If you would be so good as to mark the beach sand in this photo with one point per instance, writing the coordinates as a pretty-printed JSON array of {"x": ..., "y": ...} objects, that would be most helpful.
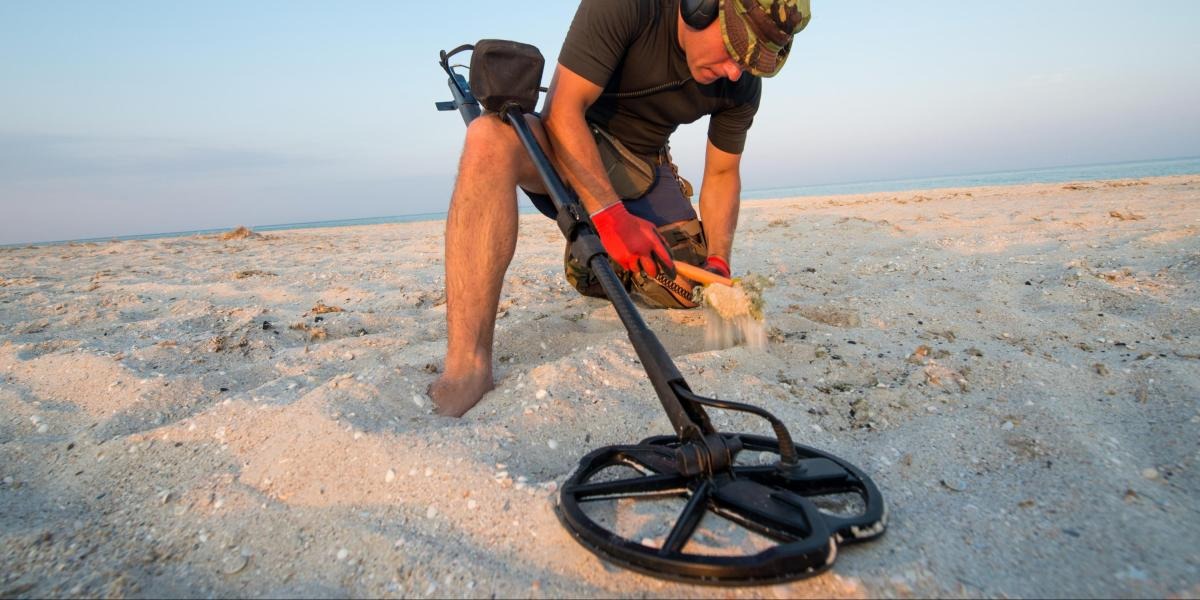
[{"x": 1018, "y": 368}]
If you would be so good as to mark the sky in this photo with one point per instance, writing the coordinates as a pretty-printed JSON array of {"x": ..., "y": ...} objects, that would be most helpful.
[{"x": 129, "y": 117}]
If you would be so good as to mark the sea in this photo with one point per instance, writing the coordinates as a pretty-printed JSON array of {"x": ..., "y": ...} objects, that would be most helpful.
[{"x": 1124, "y": 170}]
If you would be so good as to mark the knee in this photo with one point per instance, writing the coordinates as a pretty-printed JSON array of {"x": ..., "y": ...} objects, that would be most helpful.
[
  {"x": 491, "y": 140},
  {"x": 493, "y": 153}
]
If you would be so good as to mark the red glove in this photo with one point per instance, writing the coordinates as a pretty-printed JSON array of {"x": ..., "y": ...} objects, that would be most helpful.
[
  {"x": 718, "y": 265},
  {"x": 632, "y": 242}
]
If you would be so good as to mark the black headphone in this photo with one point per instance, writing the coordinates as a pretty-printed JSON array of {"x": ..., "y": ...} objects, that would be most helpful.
[{"x": 698, "y": 14}]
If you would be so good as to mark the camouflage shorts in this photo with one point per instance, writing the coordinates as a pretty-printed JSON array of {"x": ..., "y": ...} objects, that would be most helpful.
[{"x": 686, "y": 242}]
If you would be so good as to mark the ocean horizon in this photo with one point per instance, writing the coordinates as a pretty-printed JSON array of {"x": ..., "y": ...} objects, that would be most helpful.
[{"x": 1066, "y": 174}]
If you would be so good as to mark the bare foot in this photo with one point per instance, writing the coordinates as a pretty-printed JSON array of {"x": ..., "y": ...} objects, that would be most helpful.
[{"x": 454, "y": 395}]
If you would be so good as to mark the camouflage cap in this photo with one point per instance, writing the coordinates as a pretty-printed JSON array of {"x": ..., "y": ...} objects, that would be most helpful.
[{"x": 758, "y": 33}]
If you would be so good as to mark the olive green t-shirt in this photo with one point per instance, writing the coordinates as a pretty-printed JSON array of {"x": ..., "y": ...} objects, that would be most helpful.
[{"x": 631, "y": 45}]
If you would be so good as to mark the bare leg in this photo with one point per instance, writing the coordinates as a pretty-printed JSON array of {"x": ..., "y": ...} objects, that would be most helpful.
[{"x": 481, "y": 236}]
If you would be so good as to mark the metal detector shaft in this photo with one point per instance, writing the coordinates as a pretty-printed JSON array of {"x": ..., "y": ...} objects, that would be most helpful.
[{"x": 686, "y": 417}]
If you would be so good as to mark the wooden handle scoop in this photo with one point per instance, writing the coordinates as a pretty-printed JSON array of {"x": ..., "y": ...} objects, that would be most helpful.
[{"x": 700, "y": 275}]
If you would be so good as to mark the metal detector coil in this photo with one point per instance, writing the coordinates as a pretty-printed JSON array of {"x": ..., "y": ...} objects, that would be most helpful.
[{"x": 788, "y": 506}]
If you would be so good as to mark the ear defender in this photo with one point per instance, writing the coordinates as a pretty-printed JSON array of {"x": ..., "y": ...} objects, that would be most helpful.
[{"x": 699, "y": 14}]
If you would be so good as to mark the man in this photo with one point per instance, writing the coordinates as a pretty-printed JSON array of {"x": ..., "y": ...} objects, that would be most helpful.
[{"x": 630, "y": 72}]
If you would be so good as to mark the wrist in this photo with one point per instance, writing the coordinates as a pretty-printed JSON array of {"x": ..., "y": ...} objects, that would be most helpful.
[{"x": 611, "y": 210}]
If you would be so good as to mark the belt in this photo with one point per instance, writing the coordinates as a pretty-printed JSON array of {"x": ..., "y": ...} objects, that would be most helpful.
[{"x": 663, "y": 157}]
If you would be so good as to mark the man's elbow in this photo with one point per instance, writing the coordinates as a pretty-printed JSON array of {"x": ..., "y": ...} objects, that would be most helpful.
[{"x": 724, "y": 176}]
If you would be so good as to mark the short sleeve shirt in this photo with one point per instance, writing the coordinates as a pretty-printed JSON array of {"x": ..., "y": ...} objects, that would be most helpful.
[{"x": 632, "y": 45}]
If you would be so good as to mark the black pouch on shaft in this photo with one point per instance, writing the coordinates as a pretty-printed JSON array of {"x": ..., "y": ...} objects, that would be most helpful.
[{"x": 504, "y": 72}]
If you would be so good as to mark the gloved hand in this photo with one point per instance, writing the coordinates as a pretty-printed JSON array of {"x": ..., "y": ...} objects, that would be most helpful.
[
  {"x": 718, "y": 265},
  {"x": 632, "y": 242}
]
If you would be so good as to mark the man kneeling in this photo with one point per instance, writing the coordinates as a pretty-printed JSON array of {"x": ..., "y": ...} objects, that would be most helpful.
[{"x": 630, "y": 72}]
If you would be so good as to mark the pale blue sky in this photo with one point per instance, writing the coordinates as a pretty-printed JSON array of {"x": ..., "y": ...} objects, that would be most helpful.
[{"x": 127, "y": 117}]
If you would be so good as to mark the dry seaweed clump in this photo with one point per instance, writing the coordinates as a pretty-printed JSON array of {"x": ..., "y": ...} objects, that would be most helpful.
[
  {"x": 253, "y": 273},
  {"x": 312, "y": 333},
  {"x": 242, "y": 232},
  {"x": 1128, "y": 215},
  {"x": 18, "y": 281},
  {"x": 321, "y": 308}
]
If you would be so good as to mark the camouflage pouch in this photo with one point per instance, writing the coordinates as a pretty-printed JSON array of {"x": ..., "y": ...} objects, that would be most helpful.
[{"x": 686, "y": 243}]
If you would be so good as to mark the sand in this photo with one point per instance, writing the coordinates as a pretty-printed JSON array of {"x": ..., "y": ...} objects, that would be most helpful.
[
  {"x": 734, "y": 314},
  {"x": 1017, "y": 367}
]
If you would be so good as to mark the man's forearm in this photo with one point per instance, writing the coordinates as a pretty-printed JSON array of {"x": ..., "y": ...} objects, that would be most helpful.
[
  {"x": 578, "y": 159},
  {"x": 720, "y": 200}
]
